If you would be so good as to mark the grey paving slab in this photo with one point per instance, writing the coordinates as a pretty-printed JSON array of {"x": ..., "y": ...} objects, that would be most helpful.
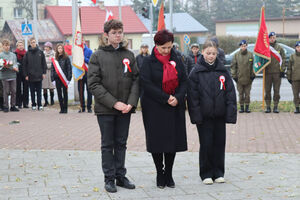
[{"x": 73, "y": 175}]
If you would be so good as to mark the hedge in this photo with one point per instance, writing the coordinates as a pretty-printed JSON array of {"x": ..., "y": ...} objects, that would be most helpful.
[{"x": 230, "y": 43}]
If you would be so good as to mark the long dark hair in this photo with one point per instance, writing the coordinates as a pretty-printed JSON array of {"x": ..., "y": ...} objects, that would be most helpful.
[{"x": 63, "y": 53}]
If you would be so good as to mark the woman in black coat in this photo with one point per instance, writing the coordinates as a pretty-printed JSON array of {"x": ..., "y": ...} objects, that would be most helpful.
[
  {"x": 63, "y": 77},
  {"x": 163, "y": 84}
]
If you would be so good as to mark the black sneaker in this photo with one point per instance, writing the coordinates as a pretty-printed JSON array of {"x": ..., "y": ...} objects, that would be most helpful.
[
  {"x": 14, "y": 109},
  {"x": 90, "y": 111},
  {"x": 275, "y": 110},
  {"x": 125, "y": 183},
  {"x": 5, "y": 110},
  {"x": 25, "y": 106},
  {"x": 110, "y": 186},
  {"x": 81, "y": 110}
]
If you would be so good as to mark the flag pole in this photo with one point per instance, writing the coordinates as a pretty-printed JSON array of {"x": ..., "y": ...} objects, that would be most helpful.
[{"x": 263, "y": 92}]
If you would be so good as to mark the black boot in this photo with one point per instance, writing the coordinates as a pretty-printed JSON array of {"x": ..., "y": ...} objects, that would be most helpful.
[
  {"x": 247, "y": 109},
  {"x": 52, "y": 97},
  {"x": 46, "y": 98},
  {"x": 1, "y": 103},
  {"x": 268, "y": 109},
  {"x": 241, "y": 109},
  {"x": 297, "y": 111},
  {"x": 160, "y": 177},
  {"x": 275, "y": 110},
  {"x": 169, "y": 161}
]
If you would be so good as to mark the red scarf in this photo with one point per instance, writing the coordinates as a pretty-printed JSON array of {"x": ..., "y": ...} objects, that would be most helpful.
[
  {"x": 20, "y": 54},
  {"x": 170, "y": 78}
]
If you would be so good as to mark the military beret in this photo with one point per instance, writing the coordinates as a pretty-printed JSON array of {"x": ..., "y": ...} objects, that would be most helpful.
[
  {"x": 243, "y": 42},
  {"x": 272, "y": 34}
]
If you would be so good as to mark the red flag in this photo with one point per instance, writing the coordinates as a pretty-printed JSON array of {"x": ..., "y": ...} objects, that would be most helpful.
[
  {"x": 262, "y": 54},
  {"x": 161, "y": 18},
  {"x": 94, "y": 1},
  {"x": 109, "y": 15}
]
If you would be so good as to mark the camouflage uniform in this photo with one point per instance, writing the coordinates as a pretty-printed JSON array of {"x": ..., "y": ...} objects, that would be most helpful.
[
  {"x": 293, "y": 76},
  {"x": 242, "y": 73},
  {"x": 273, "y": 76}
]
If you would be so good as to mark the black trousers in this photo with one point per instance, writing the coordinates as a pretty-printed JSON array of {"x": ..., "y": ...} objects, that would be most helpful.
[
  {"x": 82, "y": 85},
  {"x": 22, "y": 91},
  {"x": 114, "y": 133},
  {"x": 212, "y": 135},
  {"x": 62, "y": 93},
  {"x": 36, "y": 87}
]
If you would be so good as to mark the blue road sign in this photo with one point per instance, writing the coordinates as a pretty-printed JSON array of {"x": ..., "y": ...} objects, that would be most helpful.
[
  {"x": 186, "y": 39},
  {"x": 26, "y": 29}
]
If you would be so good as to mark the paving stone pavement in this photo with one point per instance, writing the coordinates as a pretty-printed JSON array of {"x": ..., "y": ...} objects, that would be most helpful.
[
  {"x": 72, "y": 175},
  {"x": 53, "y": 157}
]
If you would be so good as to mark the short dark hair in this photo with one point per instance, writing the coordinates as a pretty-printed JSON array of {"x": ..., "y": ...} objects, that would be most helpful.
[
  {"x": 5, "y": 42},
  {"x": 31, "y": 39},
  {"x": 112, "y": 24},
  {"x": 163, "y": 36}
]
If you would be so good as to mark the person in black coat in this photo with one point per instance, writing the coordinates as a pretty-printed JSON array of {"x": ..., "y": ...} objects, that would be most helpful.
[
  {"x": 221, "y": 53},
  {"x": 211, "y": 104},
  {"x": 34, "y": 66},
  {"x": 22, "y": 84},
  {"x": 163, "y": 83},
  {"x": 144, "y": 52},
  {"x": 61, "y": 77}
]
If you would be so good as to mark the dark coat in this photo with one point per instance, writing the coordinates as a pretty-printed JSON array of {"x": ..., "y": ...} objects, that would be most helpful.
[
  {"x": 34, "y": 64},
  {"x": 108, "y": 81},
  {"x": 66, "y": 67},
  {"x": 139, "y": 60},
  {"x": 191, "y": 55},
  {"x": 206, "y": 99},
  {"x": 164, "y": 125}
]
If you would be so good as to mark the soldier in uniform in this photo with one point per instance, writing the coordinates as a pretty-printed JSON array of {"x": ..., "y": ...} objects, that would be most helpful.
[
  {"x": 274, "y": 73},
  {"x": 242, "y": 73},
  {"x": 293, "y": 75}
]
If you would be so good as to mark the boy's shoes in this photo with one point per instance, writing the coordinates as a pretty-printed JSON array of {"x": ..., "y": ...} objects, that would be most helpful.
[
  {"x": 110, "y": 186},
  {"x": 25, "y": 106},
  {"x": 90, "y": 111},
  {"x": 242, "y": 109},
  {"x": 40, "y": 108},
  {"x": 14, "y": 109},
  {"x": 208, "y": 181},
  {"x": 297, "y": 111},
  {"x": 220, "y": 180},
  {"x": 33, "y": 107},
  {"x": 5, "y": 110},
  {"x": 125, "y": 183}
]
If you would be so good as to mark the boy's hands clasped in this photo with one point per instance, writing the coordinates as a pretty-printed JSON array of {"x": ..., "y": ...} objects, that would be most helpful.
[{"x": 124, "y": 108}]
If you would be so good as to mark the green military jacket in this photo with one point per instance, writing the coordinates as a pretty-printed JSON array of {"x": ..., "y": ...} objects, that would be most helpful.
[
  {"x": 274, "y": 66},
  {"x": 293, "y": 69},
  {"x": 242, "y": 67},
  {"x": 110, "y": 80}
]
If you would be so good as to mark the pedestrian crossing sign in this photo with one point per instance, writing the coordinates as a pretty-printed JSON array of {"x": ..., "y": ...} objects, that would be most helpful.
[{"x": 26, "y": 29}]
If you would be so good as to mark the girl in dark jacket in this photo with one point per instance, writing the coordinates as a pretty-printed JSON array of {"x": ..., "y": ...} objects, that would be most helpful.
[
  {"x": 163, "y": 84},
  {"x": 61, "y": 73},
  {"x": 211, "y": 104}
]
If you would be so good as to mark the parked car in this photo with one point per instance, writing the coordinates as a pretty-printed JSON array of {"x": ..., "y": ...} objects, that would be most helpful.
[{"x": 287, "y": 50}]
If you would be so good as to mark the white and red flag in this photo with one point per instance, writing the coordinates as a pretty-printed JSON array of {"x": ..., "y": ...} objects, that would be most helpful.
[
  {"x": 109, "y": 15},
  {"x": 276, "y": 55},
  {"x": 78, "y": 53}
]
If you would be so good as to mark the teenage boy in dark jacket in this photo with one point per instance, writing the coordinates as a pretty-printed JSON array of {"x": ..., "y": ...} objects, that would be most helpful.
[
  {"x": 113, "y": 80},
  {"x": 35, "y": 66}
]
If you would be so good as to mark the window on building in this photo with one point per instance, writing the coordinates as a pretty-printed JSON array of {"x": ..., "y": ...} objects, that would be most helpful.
[
  {"x": 1, "y": 12},
  {"x": 18, "y": 12},
  {"x": 129, "y": 43}
]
